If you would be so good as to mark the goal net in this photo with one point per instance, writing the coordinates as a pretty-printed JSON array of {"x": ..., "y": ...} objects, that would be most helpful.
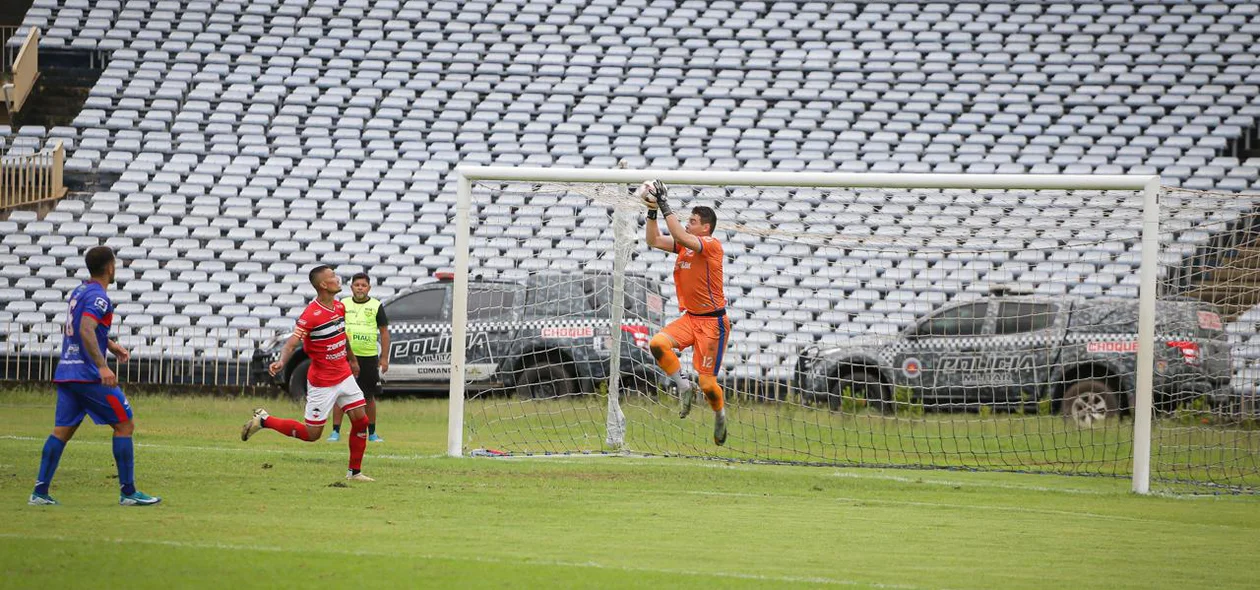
[{"x": 973, "y": 322}]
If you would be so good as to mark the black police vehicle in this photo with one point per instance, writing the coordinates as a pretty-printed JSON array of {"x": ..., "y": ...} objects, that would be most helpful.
[{"x": 1008, "y": 351}]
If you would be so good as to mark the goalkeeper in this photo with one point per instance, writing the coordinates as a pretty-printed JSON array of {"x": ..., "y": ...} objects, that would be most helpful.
[{"x": 701, "y": 298}]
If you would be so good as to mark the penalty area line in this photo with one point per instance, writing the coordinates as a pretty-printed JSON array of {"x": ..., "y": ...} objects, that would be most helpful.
[
  {"x": 166, "y": 447},
  {"x": 816, "y": 580}
]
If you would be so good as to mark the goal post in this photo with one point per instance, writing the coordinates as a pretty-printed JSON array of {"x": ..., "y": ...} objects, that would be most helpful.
[
  {"x": 1143, "y": 407},
  {"x": 616, "y": 206}
]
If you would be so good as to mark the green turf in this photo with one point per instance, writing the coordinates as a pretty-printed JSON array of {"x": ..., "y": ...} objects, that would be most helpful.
[{"x": 271, "y": 513}]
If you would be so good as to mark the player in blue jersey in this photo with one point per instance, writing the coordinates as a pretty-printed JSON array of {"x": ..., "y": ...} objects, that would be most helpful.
[{"x": 87, "y": 387}]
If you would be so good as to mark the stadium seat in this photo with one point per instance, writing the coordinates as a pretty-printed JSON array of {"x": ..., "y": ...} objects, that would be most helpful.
[{"x": 248, "y": 150}]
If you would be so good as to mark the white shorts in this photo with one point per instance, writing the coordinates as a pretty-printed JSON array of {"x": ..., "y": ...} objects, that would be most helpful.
[{"x": 320, "y": 400}]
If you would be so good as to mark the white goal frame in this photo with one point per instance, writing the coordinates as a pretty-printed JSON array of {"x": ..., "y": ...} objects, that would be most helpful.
[{"x": 1148, "y": 184}]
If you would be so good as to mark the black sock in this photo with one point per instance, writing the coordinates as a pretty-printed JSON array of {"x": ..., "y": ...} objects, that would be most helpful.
[
  {"x": 337, "y": 428},
  {"x": 355, "y": 471},
  {"x": 371, "y": 428},
  {"x": 263, "y": 422}
]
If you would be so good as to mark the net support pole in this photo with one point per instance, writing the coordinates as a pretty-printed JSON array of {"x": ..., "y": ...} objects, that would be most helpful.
[
  {"x": 459, "y": 318},
  {"x": 623, "y": 233},
  {"x": 1143, "y": 404}
]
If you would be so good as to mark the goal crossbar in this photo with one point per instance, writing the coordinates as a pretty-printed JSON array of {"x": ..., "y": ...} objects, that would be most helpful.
[{"x": 815, "y": 179}]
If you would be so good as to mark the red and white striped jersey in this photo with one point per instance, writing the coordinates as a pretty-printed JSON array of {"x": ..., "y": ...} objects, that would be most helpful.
[{"x": 323, "y": 333}]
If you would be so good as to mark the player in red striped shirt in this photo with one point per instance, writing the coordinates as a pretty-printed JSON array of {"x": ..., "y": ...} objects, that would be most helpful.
[{"x": 330, "y": 382}]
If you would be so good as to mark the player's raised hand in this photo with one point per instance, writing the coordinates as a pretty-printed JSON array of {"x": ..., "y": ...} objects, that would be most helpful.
[{"x": 655, "y": 196}]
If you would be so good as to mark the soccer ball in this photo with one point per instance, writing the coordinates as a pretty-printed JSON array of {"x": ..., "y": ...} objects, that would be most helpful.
[{"x": 647, "y": 193}]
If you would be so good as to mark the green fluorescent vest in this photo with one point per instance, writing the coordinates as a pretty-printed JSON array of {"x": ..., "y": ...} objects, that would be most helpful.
[{"x": 361, "y": 326}]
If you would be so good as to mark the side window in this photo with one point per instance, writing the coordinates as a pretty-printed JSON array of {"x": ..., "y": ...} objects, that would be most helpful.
[
  {"x": 1015, "y": 317},
  {"x": 490, "y": 302},
  {"x": 967, "y": 320},
  {"x": 428, "y": 305}
]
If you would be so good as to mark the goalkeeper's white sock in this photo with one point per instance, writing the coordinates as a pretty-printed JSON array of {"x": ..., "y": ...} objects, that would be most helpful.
[{"x": 679, "y": 382}]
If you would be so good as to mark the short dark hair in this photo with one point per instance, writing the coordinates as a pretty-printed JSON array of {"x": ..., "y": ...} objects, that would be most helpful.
[
  {"x": 707, "y": 215},
  {"x": 361, "y": 275},
  {"x": 98, "y": 260},
  {"x": 316, "y": 271}
]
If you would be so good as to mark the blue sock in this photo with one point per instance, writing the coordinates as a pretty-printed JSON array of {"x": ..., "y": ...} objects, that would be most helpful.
[
  {"x": 125, "y": 458},
  {"x": 48, "y": 463}
]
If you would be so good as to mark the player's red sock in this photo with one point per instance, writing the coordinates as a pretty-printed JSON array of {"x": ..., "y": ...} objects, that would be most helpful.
[
  {"x": 358, "y": 442},
  {"x": 291, "y": 428}
]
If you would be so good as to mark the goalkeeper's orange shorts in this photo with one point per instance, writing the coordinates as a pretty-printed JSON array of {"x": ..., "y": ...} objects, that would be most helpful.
[{"x": 708, "y": 337}]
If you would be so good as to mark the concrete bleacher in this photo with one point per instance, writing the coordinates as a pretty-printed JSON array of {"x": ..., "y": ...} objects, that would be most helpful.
[{"x": 254, "y": 137}]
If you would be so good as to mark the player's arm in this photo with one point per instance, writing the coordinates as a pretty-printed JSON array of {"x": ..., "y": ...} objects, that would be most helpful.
[
  {"x": 286, "y": 352},
  {"x": 87, "y": 332},
  {"x": 353, "y": 360},
  {"x": 382, "y": 324},
  {"x": 678, "y": 233},
  {"x": 119, "y": 351},
  {"x": 654, "y": 237},
  {"x": 683, "y": 238}
]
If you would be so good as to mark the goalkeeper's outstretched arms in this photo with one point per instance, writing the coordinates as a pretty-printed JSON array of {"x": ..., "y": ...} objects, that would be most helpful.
[{"x": 656, "y": 198}]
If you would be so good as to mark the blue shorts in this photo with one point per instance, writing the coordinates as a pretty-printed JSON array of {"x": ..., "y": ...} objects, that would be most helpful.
[{"x": 106, "y": 405}]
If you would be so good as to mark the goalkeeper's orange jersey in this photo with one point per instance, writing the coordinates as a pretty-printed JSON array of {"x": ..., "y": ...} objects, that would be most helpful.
[{"x": 698, "y": 277}]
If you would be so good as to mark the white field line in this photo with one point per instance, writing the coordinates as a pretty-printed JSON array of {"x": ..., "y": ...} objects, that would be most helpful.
[
  {"x": 340, "y": 452},
  {"x": 926, "y": 477}
]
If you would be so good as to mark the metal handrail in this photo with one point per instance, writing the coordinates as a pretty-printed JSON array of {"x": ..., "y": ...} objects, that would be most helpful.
[{"x": 33, "y": 178}]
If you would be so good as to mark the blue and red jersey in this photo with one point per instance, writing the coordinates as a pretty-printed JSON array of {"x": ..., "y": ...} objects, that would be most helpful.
[{"x": 76, "y": 366}]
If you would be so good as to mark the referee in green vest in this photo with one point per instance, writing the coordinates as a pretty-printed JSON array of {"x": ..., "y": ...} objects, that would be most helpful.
[{"x": 366, "y": 327}]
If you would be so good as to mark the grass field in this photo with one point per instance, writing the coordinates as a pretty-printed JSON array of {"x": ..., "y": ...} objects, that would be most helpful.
[{"x": 275, "y": 512}]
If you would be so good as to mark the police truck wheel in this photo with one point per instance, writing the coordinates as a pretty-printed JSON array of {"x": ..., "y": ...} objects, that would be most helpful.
[
  {"x": 297, "y": 381},
  {"x": 1089, "y": 403},
  {"x": 544, "y": 381}
]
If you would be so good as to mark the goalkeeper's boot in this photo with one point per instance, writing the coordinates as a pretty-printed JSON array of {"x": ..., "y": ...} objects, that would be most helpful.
[
  {"x": 334, "y": 437},
  {"x": 375, "y": 438},
  {"x": 139, "y": 498},
  {"x": 360, "y": 476},
  {"x": 687, "y": 395},
  {"x": 42, "y": 500},
  {"x": 719, "y": 427},
  {"x": 255, "y": 424}
]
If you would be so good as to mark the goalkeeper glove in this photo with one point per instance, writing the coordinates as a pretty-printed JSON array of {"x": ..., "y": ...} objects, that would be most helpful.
[{"x": 656, "y": 197}]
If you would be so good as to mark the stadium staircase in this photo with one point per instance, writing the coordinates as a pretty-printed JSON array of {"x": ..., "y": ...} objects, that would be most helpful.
[{"x": 65, "y": 82}]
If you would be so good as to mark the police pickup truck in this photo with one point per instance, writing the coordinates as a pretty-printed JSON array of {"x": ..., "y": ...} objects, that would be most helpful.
[
  {"x": 1011, "y": 351},
  {"x": 546, "y": 336}
]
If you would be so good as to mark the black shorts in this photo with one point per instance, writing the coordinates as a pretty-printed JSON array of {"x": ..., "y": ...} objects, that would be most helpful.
[{"x": 369, "y": 378}]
